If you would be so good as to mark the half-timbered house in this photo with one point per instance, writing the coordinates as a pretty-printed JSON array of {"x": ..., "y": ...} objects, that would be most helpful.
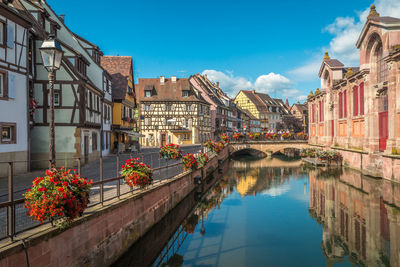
[
  {"x": 172, "y": 111},
  {"x": 125, "y": 114},
  {"x": 217, "y": 108},
  {"x": 78, "y": 89},
  {"x": 14, "y": 97}
]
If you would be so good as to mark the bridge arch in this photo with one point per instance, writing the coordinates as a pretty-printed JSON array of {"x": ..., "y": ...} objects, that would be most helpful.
[{"x": 266, "y": 147}]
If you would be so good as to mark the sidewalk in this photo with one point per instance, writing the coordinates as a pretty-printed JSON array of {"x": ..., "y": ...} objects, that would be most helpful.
[{"x": 149, "y": 155}]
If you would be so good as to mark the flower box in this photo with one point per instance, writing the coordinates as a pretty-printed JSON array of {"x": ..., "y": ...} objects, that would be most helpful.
[{"x": 136, "y": 173}]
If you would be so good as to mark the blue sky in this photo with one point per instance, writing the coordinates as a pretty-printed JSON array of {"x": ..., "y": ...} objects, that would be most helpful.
[{"x": 271, "y": 46}]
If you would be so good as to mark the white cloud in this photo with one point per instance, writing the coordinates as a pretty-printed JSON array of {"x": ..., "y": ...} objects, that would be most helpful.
[
  {"x": 308, "y": 71},
  {"x": 345, "y": 32},
  {"x": 266, "y": 83},
  {"x": 270, "y": 82}
]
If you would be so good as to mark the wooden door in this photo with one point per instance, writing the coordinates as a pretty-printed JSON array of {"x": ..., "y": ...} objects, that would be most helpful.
[
  {"x": 86, "y": 149},
  {"x": 383, "y": 130},
  {"x": 163, "y": 140}
]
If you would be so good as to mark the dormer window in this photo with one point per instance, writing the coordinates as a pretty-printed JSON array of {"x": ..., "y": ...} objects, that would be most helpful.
[
  {"x": 147, "y": 93},
  {"x": 185, "y": 93},
  {"x": 81, "y": 66}
]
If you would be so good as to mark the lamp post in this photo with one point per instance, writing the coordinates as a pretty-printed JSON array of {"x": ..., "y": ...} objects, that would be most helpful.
[{"x": 51, "y": 53}]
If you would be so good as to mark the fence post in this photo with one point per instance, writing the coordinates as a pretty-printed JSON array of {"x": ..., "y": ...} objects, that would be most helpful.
[
  {"x": 11, "y": 208},
  {"x": 101, "y": 182},
  {"x": 119, "y": 180},
  {"x": 79, "y": 165}
]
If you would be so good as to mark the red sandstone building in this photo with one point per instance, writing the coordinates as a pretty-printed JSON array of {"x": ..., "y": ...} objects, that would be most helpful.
[{"x": 357, "y": 110}]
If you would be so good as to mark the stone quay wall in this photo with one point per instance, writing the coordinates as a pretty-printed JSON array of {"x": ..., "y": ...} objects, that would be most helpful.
[{"x": 103, "y": 234}]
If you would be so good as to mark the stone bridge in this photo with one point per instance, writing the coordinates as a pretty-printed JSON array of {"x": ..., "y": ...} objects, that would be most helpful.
[{"x": 266, "y": 148}]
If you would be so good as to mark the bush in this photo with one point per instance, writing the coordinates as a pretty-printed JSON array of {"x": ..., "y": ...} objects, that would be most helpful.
[
  {"x": 136, "y": 173},
  {"x": 59, "y": 194}
]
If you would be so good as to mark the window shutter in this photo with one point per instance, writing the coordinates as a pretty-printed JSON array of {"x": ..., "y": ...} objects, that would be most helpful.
[
  {"x": 11, "y": 86},
  {"x": 345, "y": 103},
  {"x": 10, "y": 35},
  {"x": 340, "y": 105},
  {"x": 362, "y": 99},
  {"x": 355, "y": 101}
]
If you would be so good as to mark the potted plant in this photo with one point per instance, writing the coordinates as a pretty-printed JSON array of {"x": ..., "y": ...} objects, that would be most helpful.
[
  {"x": 189, "y": 162},
  {"x": 254, "y": 136},
  {"x": 209, "y": 144},
  {"x": 61, "y": 193},
  {"x": 302, "y": 136},
  {"x": 286, "y": 136},
  {"x": 171, "y": 151},
  {"x": 136, "y": 173}
]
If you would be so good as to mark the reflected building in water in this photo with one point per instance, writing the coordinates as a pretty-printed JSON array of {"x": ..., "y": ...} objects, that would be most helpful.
[{"x": 360, "y": 217}]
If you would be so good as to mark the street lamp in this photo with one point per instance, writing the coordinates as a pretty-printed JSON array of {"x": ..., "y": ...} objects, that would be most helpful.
[{"x": 51, "y": 53}]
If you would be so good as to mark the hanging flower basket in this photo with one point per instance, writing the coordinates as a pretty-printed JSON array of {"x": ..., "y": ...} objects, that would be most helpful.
[
  {"x": 60, "y": 193},
  {"x": 225, "y": 138},
  {"x": 137, "y": 173},
  {"x": 190, "y": 223},
  {"x": 254, "y": 136},
  {"x": 171, "y": 151},
  {"x": 209, "y": 144},
  {"x": 237, "y": 135},
  {"x": 286, "y": 136},
  {"x": 189, "y": 162},
  {"x": 302, "y": 136},
  {"x": 202, "y": 159}
]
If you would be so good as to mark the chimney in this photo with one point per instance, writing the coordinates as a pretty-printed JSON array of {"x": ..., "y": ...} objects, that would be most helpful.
[
  {"x": 62, "y": 17},
  {"x": 173, "y": 79},
  {"x": 162, "y": 79}
]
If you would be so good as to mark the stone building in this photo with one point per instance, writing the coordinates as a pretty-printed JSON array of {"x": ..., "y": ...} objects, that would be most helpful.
[
  {"x": 357, "y": 110},
  {"x": 172, "y": 111}
]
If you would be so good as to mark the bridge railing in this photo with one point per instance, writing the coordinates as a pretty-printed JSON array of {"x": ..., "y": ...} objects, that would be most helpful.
[{"x": 276, "y": 139}]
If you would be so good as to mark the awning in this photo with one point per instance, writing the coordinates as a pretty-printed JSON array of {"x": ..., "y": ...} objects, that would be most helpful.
[{"x": 131, "y": 133}]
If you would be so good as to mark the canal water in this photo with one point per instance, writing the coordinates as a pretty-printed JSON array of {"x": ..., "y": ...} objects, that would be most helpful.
[{"x": 278, "y": 212}]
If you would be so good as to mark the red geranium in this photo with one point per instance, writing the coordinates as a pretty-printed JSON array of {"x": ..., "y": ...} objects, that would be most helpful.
[
  {"x": 189, "y": 162},
  {"x": 171, "y": 151},
  {"x": 59, "y": 193},
  {"x": 137, "y": 173}
]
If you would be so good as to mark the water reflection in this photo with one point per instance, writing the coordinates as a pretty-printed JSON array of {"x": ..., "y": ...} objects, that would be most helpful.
[
  {"x": 360, "y": 218},
  {"x": 281, "y": 213}
]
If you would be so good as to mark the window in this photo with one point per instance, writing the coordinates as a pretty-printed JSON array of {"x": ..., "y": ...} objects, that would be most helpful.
[
  {"x": 57, "y": 99},
  {"x": 2, "y": 33},
  {"x": 124, "y": 112},
  {"x": 188, "y": 107},
  {"x": 8, "y": 133},
  {"x": 167, "y": 107},
  {"x": 362, "y": 99},
  {"x": 3, "y": 85},
  {"x": 147, "y": 107},
  {"x": 345, "y": 103},
  {"x": 340, "y": 105},
  {"x": 10, "y": 36},
  {"x": 185, "y": 93},
  {"x": 355, "y": 101},
  {"x": 381, "y": 65},
  {"x": 81, "y": 66},
  {"x": 321, "y": 111},
  {"x": 130, "y": 113},
  {"x": 147, "y": 93}
]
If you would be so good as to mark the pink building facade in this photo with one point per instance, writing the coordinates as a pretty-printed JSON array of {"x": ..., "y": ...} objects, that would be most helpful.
[{"x": 357, "y": 110}]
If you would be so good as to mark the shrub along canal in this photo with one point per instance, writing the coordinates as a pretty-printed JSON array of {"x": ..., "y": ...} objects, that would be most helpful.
[{"x": 275, "y": 212}]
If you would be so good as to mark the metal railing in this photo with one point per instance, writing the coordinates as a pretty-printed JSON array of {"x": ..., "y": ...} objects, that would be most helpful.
[
  {"x": 107, "y": 185},
  {"x": 262, "y": 138}
]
